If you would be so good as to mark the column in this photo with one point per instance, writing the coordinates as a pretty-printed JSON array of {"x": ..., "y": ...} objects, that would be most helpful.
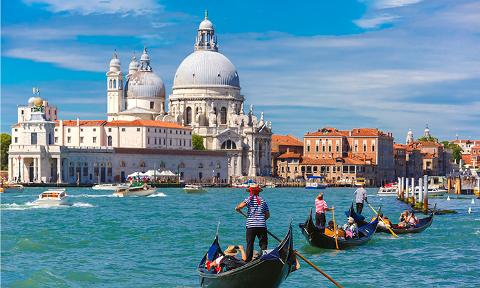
[
  {"x": 39, "y": 167},
  {"x": 59, "y": 169},
  {"x": 407, "y": 192},
  {"x": 10, "y": 169},
  {"x": 21, "y": 170},
  {"x": 425, "y": 192},
  {"x": 420, "y": 189},
  {"x": 35, "y": 170}
]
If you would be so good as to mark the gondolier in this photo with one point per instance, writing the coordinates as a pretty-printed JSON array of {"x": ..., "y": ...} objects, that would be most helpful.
[
  {"x": 257, "y": 216},
  {"x": 360, "y": 196}
]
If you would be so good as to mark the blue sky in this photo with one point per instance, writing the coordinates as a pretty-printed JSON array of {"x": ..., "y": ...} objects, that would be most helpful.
[{"x": 391, "y": 64}]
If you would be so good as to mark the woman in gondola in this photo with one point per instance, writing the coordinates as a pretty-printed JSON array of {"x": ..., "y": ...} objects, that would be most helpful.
[
  {"x": 351, "y": 229},
  {"x": 228, "y": 261}
]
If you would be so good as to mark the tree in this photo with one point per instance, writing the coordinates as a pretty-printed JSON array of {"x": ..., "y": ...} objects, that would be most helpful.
[
  {"x": 456, "y": 150},
  {"x": 429, "y": 138},
  {"x": 6, "y": 139},
  {"x": 197, "y": 142}
]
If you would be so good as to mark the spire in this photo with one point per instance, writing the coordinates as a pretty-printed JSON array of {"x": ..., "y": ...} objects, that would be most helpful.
[
  {"x": 206, "y": 39},
  {"x": 409, "y": 137}
]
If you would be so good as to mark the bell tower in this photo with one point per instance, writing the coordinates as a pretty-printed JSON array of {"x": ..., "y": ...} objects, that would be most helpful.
[{"x": 114, "y": 88}]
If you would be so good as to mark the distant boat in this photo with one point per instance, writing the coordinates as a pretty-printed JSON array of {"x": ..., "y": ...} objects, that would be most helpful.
[
  {"x": 135, "y": 190},
  {"x": 315, "y": 182},
  {"x": 52, "y": 197},
  {"x": 432, "y": 191},
  {"x": 110, "y": 187},
  {"x": 190, "y": 188},
  {"x": 245, "y": 184}
]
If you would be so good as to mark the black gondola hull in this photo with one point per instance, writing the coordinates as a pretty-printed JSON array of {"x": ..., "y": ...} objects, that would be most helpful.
[
  {"x": 317, "y": 238},
  {"x": 422, "y": 225}
]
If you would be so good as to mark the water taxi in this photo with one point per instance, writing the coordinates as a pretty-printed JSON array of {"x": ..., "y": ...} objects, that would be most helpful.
[
  {"x": 110, "y": 187},
  {"x": 315, "y": 182},
  {"x": 190, "y": 188},
  {"x": 432, "y": 191},
  {"x": 52, "y": 197},
  {"x": 136, "y": 189}
]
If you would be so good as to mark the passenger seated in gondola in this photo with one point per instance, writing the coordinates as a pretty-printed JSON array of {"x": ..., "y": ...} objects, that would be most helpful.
[
  {"x": 351, "y": 229},
  {"x": 228, "y": 261},
  {"x": 330, "y": 230},
  {"x": 386, "y": 222},
  {"x": 403, "y": 222},
  {"x": 412, "y": 220}
]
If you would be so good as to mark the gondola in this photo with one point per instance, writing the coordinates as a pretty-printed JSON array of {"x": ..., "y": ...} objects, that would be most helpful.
[
  {"x": 358, "y": 218},
  {"x": 422, "y": 225},
  {"x": 268, "y": 270},
  {"x": 317, "y": 238}
]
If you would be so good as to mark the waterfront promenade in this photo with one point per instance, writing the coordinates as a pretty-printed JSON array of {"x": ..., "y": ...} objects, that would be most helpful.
[{"x": 157, "y": 241}]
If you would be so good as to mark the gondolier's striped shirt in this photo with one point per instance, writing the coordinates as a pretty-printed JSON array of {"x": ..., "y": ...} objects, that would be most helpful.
[{"x": 257, "y": 207}]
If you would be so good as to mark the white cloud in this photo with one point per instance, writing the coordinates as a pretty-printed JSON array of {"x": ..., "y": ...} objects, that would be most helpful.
[
  {"x": 375, "y": 22},
  {"x": 383, "y": 4},
  {"x": 86, "y": 7}
]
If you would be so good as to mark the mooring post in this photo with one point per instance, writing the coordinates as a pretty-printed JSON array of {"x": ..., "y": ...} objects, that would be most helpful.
[
  {"x": 420, "y": 190},
  {"x": 449, "y": 185},
  {"x": 406, "y": 189},
  {"x": 425, "y": 195}
]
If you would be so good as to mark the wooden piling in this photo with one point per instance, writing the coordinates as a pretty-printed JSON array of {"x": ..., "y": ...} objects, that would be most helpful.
[
  {"x": 425, "y": 195},
  {"x": 449, "y": 185},
  {"x": 458, "y": 185}
]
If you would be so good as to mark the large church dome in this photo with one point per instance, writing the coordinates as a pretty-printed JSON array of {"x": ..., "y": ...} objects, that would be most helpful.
[{"x": 204, "y": 68}]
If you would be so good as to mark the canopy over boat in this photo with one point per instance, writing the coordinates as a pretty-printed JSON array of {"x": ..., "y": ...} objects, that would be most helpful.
[
  {"x": 268, "y": 270},
  {"x": 317, "y": 237}
]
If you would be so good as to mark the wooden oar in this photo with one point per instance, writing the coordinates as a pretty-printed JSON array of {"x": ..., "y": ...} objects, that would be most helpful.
[
  {"x": 335, "y": 228},
  {"x": 301, "y": 256},
  {"x": 381, "y": 219}
]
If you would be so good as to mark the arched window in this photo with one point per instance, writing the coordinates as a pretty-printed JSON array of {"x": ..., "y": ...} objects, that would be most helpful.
[
  {"x": 229, "y": 144},
  {"x": 110, "y": 84},
  {"x": 114, "y": 83},
  {"x": 109, "y": 141},
  {"x": 188, "y": 116},
  {"x": 223, "y": 115}
]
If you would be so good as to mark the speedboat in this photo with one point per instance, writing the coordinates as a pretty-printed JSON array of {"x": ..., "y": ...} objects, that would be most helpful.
[
  {"x": 190, "y": 188},
  {"x": 388, "y": 190},
  {"x": 111, "y": 187},
  {"x": 245, "y": 184},
  {"x": 52, "y": 197},
  {"x": 136, "y": 189}
]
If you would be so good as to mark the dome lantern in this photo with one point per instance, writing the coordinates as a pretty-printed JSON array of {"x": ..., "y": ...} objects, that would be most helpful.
[
  {"x": 115, "y": 63},
  {"x": 206, "y": 39},
  {"x": 133, "y": 66},
  {"x": 145, "y": 61}
]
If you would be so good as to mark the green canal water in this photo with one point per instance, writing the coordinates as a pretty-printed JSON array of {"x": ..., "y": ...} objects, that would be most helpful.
[{"x": 102, "y": 241}]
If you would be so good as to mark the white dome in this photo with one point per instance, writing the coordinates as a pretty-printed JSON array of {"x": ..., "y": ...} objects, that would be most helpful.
[
  {"x": 206, "y": 69},
  {"x": 133, "y": 64},
  {"x": 205, "y": 25},
  {"x": 145, "y": 84}
]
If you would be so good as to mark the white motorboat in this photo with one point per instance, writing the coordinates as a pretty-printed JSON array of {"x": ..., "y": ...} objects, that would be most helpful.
[
  {"x": 135, "y": 190},
  {"x": 190, "y": 188},
  {"x": 315, "y": 182},
  {"x": 432, "y": 191},
  {"x": 109, "y": 186},
  {"x": 388, "y": 190},
  {"x": 52, "y": 197}
]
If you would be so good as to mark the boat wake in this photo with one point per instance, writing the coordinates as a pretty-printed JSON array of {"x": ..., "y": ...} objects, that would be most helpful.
[
  {"x": 33, "y": 205},
  {"x": 91, "y": 195},
  {"x": 159, "y": 194}
]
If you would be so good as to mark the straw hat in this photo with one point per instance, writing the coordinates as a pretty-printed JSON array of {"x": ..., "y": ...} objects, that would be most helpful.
[
  {"x": 351, "y": 220},
  {"x": 231, "y": 251}
]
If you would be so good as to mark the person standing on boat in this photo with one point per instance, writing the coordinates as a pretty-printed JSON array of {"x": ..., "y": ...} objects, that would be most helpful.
[
  {"x": 320, "y": 209},
  {"x": 360, "y": 196},
  {"x": 257, "y": 216}
]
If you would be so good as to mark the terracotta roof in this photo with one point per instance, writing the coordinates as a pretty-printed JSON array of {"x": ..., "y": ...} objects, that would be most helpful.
[
  {"x": 145, "y": 123},
  {"x": 400, "y": 146},
  {"x": 367, "y": 132},
  {"x": 288, "y": 155},
  {"x": 467, "y": 158},
  {"x": 428, "y": 156},
  {"x": 287, "y": 140},
  {"x": 315, "y": 161},
  {"x": 328, "y": 131},
  {"x": 428, "y": 144},
  {"x": 93, "y": 123}
]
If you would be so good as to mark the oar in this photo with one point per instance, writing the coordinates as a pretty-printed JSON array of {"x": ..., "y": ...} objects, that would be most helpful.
[
  {"x": 335, "y": 228},
  {"x": 301, "y": 256},
  {"x": 381, "y": 219}
]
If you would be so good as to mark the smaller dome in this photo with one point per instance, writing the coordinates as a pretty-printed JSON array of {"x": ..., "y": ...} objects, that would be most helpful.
[
  {"x": 205, "y": 25},
  {"x": 115, "y": 63},
  {"x": 145, "y": 56},
  {"x": 133, "y": 66},
  {"x": 145, "y": 84},
  {"x": 37, "y": 102}
]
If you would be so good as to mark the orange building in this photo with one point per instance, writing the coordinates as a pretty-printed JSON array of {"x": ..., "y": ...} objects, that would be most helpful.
[{"x": 286, "y": 148}]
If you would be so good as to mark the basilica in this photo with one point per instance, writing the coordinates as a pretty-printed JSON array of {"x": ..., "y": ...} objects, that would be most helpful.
[{"x": 140, "y": 132}]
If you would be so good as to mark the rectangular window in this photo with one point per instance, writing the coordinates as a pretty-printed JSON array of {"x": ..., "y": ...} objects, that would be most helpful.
[
  {"x": 123, "y": 129},
  {"x": 170, "y": 131},
  {"x": 152, "y": 105},
  {"x": 81, "y": 139},
  {"x": 94, "y": 129},
  {"x": 364, "y": 147},
  {"x": 69, "y": 139},
  {"x": 85, "y": 171},
  {"x": 323, "y": 148},
  {"x": 373, "y": 148},
  {"x": 329, "y": 148},
  {"x": 109, "y": 171},
  {"x": 94, "y": 140},
  {"x": 170, "y": 142},
  {"x": 109, "y": 129},
  {"x": 16, "y": 140},
  {"x": 338, "y": 148},
  {"x": 68, "y": 130},
  {"x": 148, "y": 129},
  {"x": 56, "y": 139},
  {"x": 308, "y": 148},
  {"x": 138, "y": 129},
  {"x": 316, "y": 148},
  {"x": 148, "y": 140}
]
